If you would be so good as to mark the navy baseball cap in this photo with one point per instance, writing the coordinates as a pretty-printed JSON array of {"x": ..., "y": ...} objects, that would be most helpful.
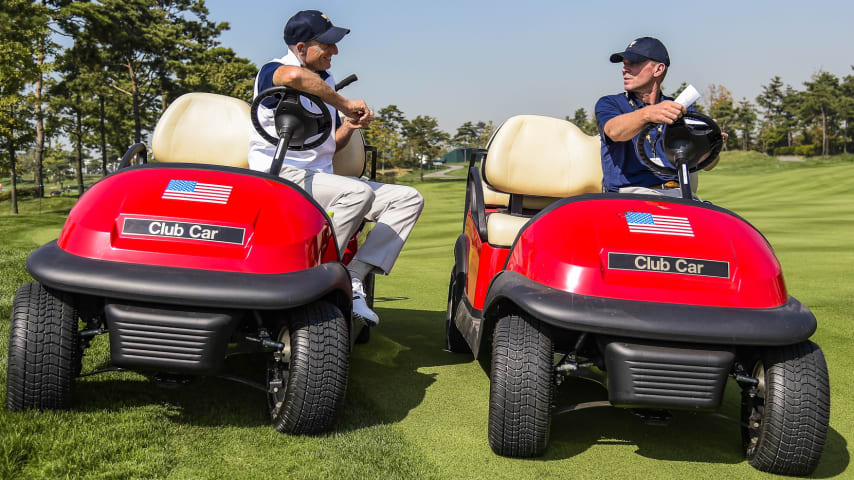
[
  {"x": 642, "y": 49},
  {"x": 309, "y": 25}
]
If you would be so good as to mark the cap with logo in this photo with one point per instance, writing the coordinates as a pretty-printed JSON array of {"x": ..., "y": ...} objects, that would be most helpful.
[
  {"x": 642, "y": 49},
  {"x": 309, "y": 25}
]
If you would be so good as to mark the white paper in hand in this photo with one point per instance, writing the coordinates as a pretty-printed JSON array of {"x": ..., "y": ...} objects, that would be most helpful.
[{"x": 688, "y": 96}]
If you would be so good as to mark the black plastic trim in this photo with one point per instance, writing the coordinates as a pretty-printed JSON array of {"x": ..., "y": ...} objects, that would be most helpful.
[
  {"x": 784, "y": 325},
  {"x": 132, "y": 152},
  {"x": 461, "y": 257},
  {"x": 662, "y": 375},
  {"x": 475, "y": 203},
  {"x": 469, "y": 321},
  {"x": 373, "y": 152},
  {"x": 475, "y": 154},
  {"x": 56, "y": 268},
  {"x": 175, "y": 339}
]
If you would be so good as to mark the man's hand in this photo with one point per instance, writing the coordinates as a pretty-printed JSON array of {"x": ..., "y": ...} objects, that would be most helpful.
[
  {"x": 361, "y": 122},
  {"x": 358, "y": 111},
  {"x": 667, "y": 112},
  {"x": 350, "y": 125}
]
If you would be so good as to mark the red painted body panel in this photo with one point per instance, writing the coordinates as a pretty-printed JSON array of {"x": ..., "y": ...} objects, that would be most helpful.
[
  {"x": 284, "y": 231},
  {"x": 484, "y": 262},
  {"x": 568, "y": 248}
]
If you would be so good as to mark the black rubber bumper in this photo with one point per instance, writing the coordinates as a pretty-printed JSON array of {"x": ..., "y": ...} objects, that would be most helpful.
[
  {"x": 61, "y": 270},
  {"x": 784, "y": 325}
]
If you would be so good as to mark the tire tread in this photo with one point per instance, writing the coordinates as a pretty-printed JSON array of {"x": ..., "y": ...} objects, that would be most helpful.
[
  {"x": 521, "y": 387},
  {"x": 797, "y": 410},
  {"x": 44, "y": 349},
  {"x": 317, "y": 381}
]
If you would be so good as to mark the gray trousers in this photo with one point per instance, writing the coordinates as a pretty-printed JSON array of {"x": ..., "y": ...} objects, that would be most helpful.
[
  {"x": 669, "y": 192},
  {"x": 394, "y": 208}
]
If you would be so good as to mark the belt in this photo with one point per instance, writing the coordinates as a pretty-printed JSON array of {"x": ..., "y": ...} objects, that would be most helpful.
[{"x": 669, "y": 184}]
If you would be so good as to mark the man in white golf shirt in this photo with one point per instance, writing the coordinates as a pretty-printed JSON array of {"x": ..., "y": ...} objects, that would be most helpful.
[{"x": 311, "y": 39}]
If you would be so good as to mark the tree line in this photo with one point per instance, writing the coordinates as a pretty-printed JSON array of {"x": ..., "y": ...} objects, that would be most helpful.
[
  {"x": 80, "y": 81},
  {"x": 816, "y": 120},
  {"x": 404, "y": 143},
  {"x": 97, "y": 75}
]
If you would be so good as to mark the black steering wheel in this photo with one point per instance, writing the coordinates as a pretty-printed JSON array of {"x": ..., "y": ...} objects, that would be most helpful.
[
  {"x": 694, "y": 140},
  {"x": 291, "y": 115}
]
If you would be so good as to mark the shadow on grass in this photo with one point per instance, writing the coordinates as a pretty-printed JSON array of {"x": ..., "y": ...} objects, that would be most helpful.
[
  {"x": 385, "y": 377},
  {"x": 384, "y": 383},
  {"x": 690, "y": 437}
]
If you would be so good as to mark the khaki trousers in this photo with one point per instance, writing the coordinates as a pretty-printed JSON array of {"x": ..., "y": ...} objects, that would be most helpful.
[{"x": 394, "y": 208}]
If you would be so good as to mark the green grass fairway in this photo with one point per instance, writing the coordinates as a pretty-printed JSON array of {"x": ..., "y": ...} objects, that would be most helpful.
[{"x": 414, "y": 410}]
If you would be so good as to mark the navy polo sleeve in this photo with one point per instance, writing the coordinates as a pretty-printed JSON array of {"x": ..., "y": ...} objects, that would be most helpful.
[
  {"x": 606, "y": 109},
  {"x": 265, "y": 81}
]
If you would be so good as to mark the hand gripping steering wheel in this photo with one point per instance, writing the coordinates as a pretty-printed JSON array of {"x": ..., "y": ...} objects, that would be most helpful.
[
  {"x": 293, "y": 118},
  {"x": 694, "y": 140}
]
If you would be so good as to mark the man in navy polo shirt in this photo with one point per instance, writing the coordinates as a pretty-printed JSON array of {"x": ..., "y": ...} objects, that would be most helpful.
[
  {"x": 311, "y": 39},
  {"x": 621, "y": 117}
]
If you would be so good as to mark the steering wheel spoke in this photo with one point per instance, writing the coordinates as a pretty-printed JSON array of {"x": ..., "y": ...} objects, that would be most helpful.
[
  {"x": 694, "y": 140},
  {"x": 291, "y": 114}
]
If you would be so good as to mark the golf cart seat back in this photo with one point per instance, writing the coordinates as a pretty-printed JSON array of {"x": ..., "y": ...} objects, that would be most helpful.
[
  {"x": 350, "y": 161},
  {"x": 537, "y": 160},
  {"x": 203, "y": 128}
]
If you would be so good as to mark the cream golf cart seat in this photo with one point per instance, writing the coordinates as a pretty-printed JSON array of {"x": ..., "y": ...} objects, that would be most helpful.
[
  {"x": 214, "y": 129},
  {"x": 538, "y": 159},
  {"x": 203, "y": 128},
  {"x": 351, "y": 161}
]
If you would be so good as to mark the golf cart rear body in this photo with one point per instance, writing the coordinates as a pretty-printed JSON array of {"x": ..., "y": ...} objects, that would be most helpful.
[
  {"x": 660, "y": 299},
  {"x": 190, "y": 264},
  {"x": 188, "y": 260}
]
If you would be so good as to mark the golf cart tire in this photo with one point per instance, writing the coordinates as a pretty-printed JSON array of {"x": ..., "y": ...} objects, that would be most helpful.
[
  {"x": 796, "y": 412},
  {"x": 521, "y": 387},
  {"x": 44, "y": 350},
  {"x": 454, "y": 340},
  {"x": 317, "y": 377}
]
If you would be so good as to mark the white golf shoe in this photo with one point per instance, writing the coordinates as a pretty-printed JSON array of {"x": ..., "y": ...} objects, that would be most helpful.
[{"x": 360, "y": 307}]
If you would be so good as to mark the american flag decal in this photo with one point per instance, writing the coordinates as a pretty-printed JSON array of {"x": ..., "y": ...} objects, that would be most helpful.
[
  {"x": 658, "y": 224},
  {"x": 191, "y": 191}
]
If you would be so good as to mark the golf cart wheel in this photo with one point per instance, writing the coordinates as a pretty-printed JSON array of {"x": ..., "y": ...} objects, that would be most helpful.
[
  {"x": 316, "y": 377},
  {"x": 521, "y": 386},
  {"x": 44, "y": 349},
  {"x": 454, "y": 340},
  {"x": 787, "y": 414}
]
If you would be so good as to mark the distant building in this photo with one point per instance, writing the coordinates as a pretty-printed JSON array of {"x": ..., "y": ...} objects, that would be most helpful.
[{"x": 457, "y": 155}]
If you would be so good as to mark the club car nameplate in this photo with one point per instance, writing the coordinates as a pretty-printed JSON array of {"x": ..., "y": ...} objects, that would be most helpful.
[
  {"x": 659, "y": 264},
  {"x": 192, "y": 231}
]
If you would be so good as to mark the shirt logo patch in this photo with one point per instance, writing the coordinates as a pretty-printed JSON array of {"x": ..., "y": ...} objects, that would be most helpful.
[
  {"x": 192, "y": 191},
  {"x": 658, "y": 224}
]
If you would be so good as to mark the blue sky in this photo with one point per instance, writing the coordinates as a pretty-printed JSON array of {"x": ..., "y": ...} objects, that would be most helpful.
[{"x": 488, "y": 60}]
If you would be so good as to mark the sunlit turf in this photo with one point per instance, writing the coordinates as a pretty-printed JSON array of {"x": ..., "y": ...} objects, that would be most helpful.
[{"x": 414, "y": 410}]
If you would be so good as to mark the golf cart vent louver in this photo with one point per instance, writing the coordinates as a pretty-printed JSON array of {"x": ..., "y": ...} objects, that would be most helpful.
[
  {"x": 150, "y": 341},
  {"x": 168, "y": 338},
  {"x": 642, "y": 375}
]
